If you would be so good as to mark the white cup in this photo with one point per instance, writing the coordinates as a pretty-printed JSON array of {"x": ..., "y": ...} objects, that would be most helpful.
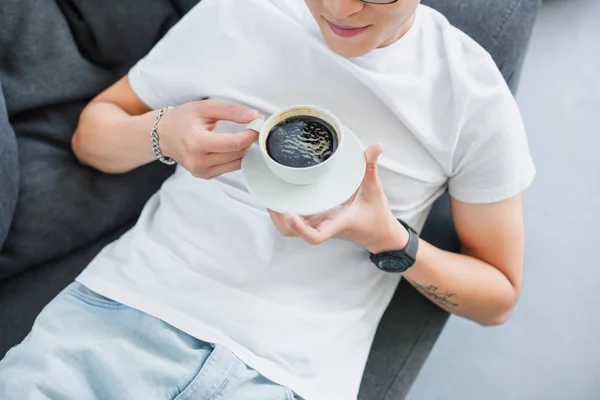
[{"x": 293, "y": 175}]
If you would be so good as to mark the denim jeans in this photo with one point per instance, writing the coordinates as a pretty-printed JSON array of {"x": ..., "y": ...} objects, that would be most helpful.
[{"x": 86, "y": 346}]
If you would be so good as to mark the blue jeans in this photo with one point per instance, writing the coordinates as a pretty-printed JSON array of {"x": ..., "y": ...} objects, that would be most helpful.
[{"x": 86, "y": 346}]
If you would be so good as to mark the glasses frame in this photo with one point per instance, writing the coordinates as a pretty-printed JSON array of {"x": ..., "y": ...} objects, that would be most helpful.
[{"x": 380, "y": 2}]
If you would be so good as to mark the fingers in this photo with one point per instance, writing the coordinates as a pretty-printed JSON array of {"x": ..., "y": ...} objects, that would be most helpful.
[
  {"x": 213, "y": 109},
  {"x": 230, "y": 142},
  {"x": 293, "y": 225},
  {"x": 325, "y": 230},
  {"x": 318, "y": 219},
  {"x": 216, "y": 159},
  {"x": 221, "y": 169},
  {"x": 281, "y": 224},
  {"x": 209, "y": 166},
  {"x": 314, "y": 220},
  {"x": 225, "y": 162}
]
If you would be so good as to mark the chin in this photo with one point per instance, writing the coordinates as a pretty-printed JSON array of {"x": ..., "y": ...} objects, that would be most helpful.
[{"x": 346, "y": 48}]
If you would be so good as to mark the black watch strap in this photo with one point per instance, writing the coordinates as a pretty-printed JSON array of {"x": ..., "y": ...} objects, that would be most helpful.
[
  {"x": 399, "y": 260},
  {"x": 413, "y": 243}
]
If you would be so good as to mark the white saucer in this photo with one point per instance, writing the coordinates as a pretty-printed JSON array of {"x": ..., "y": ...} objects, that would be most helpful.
[{"x": 333, "y": 190}]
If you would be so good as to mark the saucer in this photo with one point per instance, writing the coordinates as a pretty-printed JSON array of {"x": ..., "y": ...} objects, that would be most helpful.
[{"x": 331, "y": 191}]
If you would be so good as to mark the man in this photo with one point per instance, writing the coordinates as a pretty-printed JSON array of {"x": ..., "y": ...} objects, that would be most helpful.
[{"x": 212, "y": 296}]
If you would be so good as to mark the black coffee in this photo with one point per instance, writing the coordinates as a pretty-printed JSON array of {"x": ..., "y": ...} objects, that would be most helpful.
[{"x": 301, "y": 142}]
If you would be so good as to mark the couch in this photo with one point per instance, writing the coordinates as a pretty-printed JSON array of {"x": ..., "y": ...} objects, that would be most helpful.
[{"x": 55, "y": 215}]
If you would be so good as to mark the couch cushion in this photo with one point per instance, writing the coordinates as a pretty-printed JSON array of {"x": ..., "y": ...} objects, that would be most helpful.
[
  {"x": 46, "y": 82},
  {"x": 23, "y": 296},
  {"x": 411, "y": 324},
  {"x": 9, "y": 171},
  {"x": 503, "y": 28}
]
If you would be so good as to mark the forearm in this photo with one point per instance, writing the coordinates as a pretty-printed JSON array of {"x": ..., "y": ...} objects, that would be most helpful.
[
  {"x": 463, "y": 285},
  {"x": 111, "y": 140},
  {"x": 458, "y": 283},
  {"x": 482, "y": 284}
]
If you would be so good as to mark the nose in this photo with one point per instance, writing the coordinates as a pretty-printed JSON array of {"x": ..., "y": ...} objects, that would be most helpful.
[{"x": 342, "y": 9}]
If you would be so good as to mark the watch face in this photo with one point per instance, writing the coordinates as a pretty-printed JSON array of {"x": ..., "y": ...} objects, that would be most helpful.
[{"x": 392, "y": 264}]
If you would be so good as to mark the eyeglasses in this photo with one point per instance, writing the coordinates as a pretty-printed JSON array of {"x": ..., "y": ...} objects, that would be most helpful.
[{"x": 379, "y": 1}]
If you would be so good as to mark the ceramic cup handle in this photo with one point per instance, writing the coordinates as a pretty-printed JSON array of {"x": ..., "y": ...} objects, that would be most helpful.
[{"x": 257, "y": 126}]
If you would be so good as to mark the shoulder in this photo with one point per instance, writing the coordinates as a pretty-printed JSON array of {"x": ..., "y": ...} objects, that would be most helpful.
[
  {"x": 480, "y": 95},
  {"x": 469, "y": 65},
  {"x": 484, "y": 116}
]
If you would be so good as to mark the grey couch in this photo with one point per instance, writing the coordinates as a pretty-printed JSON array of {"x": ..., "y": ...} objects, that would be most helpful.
[{"x": 55, "y": 215}]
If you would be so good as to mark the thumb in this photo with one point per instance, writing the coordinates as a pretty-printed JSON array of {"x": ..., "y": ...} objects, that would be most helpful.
[
  {"x": 372, "y": 154},
  {"x": 371, "y": 179}
]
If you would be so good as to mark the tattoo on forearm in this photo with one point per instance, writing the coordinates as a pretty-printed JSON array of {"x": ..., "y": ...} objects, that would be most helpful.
[{"x": 444, "y": 299}]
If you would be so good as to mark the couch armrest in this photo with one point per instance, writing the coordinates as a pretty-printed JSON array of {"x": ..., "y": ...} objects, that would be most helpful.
[
  {"x": 9, "y": 171},
  {"x": 411, "y": 323}
]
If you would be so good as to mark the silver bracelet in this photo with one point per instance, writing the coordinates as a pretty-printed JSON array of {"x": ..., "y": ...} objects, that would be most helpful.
[{"x": 154, "y": 139}]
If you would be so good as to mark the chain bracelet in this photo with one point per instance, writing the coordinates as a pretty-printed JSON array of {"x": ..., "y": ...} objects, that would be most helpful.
[{"x": 154, "y": 139}]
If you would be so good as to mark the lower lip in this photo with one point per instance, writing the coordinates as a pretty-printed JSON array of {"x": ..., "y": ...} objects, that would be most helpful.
[{"x": 346, "y": 33}]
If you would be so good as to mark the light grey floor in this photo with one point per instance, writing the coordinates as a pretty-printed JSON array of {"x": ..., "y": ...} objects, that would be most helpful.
[{"x": 550, "y": 349}]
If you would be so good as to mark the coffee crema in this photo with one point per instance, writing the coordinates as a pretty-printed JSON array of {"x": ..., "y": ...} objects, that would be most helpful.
[{"x": 301, "y": 142}]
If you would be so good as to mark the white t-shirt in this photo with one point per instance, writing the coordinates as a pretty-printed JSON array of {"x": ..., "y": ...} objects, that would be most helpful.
[{"x": 205, "y": 256}]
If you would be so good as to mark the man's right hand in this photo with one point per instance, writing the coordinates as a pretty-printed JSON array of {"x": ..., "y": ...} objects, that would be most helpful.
[
  {"x": 113, "y": 134},
  {"x": 186, "y": 135}
]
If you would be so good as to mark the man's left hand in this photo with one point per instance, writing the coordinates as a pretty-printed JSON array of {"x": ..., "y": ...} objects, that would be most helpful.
[{"x": 365, "y": 219}]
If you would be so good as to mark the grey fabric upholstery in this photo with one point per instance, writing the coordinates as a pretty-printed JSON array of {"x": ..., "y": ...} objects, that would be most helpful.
[
  {"x": 24, "y": 295},
  {"x": 410, "y": 325},
  {"x": 502, "y": 27},
  {"x": 113, "y": 35},
  {"x": 51, "y": 66},
  {"x": 45, "y": 84},
  {"x": 9, "y": 171}
]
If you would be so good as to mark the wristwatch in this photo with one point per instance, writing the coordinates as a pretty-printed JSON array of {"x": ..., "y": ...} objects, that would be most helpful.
[{"x": 399, "y": 260}]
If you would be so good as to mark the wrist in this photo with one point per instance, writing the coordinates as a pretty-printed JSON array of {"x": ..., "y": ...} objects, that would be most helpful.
[
  {"x": 393, "y": 237},
  {"x": 155, "y": 141},
  {"x": 143, "y": 124}
]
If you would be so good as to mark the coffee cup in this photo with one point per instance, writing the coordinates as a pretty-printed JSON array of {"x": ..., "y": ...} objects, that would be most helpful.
[{"x": 300, "y": 144}]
